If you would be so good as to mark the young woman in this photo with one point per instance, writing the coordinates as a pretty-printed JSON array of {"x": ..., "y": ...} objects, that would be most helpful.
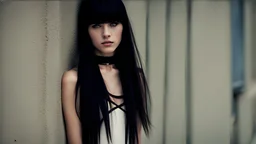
[{"x": 105, "y": 96}]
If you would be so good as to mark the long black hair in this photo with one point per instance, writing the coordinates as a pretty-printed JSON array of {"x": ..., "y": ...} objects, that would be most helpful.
[{"x": 90, "y": 84}]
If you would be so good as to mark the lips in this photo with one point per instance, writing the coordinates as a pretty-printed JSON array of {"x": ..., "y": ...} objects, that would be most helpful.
[{"x": 107, "y": 43}]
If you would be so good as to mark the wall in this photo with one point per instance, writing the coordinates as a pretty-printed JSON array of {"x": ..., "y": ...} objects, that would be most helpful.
[
  {"x": 37, "y": 38},
  {"x": 23, "y": 83},
  {"x": 211, "y": 80},
  {"x": 246, "y": 104}
]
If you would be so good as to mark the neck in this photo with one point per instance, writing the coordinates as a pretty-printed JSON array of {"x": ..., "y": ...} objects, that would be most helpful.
[{"x": 105, "y": 60}]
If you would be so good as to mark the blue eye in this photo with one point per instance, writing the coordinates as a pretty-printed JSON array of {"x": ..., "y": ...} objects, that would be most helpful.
[
  {"x": 95, "y": 25},
  {"x": 114, "y": 24}
]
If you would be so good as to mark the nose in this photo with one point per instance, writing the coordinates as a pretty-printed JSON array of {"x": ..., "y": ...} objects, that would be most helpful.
[{"x": 106, "y": 32}]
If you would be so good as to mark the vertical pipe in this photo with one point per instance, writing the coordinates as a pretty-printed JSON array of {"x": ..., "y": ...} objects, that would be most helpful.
[
  {"x": 44, "y": 65},
  {"x": 188, "y": 76},
  {"x": 166, "y": 72},
  {"x": 147, "y": 64},
  {"x": 147, "y": 38}
]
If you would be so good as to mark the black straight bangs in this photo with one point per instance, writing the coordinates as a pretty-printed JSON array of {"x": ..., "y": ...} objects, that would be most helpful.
[{"x": 104, "y": 11}]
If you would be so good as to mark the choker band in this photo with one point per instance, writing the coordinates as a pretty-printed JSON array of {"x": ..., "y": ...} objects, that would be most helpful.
[{"x": 103, "y": 60}]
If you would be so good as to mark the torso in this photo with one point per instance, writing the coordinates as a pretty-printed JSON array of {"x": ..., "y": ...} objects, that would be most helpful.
[{"x": 117, "y": 115}]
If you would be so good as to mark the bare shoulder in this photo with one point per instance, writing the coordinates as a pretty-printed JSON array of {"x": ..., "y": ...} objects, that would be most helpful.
[
  {"x": 69, "y": 77},
  {"x": 68, "y": 83}
]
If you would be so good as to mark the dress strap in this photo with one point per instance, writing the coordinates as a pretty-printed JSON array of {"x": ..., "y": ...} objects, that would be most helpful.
[
  {"x": 114, "y": 108},
  {"x": 115, "y": 96}
]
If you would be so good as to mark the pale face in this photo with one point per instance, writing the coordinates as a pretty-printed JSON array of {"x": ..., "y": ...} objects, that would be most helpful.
[{"x": 106, "y": 37}]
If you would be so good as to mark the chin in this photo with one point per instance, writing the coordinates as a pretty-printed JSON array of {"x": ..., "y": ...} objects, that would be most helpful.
[{"x": 108, "y": 52}]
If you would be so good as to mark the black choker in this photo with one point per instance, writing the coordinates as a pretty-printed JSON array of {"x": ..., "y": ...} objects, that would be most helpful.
[{"x": 102, "y": 60}]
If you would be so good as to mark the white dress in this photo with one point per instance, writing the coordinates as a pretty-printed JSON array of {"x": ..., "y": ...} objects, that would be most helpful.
[
  {"x": 116, "y": 121},
  {"x": 117, "y": 126}
]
